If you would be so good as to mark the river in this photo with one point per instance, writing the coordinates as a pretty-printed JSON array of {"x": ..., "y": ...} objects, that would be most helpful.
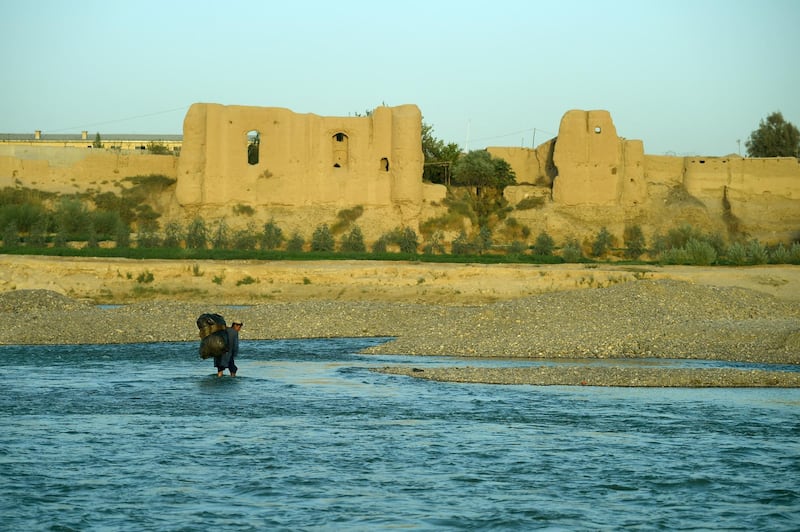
[{"x": 307, "y": 437}]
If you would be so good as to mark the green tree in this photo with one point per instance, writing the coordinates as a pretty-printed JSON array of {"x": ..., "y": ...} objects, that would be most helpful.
[
  {"x": 353, "y": 242},
  {"x": 634, "y": 241},
  {"x": 603, "y": 243},
  {"x": 221, "y": 238},
  {"x": 10, "y": 235},
  {"x": 775, "y": 137},
  {"x": 439, "y": 157},
  {"x": 480, "y": 170},
  {"x": 197, "y": 234},
  {"x": 322, "y": 239},
  {"x": 406, "y": 238},
  {"x": 97, "y": 142},
  {"x": 544, "y": 244},
  {"x": 295, "y": 243},
  {"x": 272, "y": 237},
  {"x": 173, "y": 235}
]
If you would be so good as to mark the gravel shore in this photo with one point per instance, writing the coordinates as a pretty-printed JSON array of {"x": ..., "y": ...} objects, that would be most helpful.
[{"x": 641, "y": 319}]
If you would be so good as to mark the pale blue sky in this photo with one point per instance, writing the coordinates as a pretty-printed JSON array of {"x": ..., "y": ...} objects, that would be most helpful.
[{"x": 686, "y": 77}]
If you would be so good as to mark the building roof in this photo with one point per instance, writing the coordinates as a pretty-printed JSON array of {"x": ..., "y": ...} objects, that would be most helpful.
[{"x": 65, "y": 137}]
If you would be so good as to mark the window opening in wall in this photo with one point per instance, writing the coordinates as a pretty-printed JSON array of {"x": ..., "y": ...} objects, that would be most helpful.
[
  {"x": 253, "y": 146},
  {"x": 597, "y": 129},
  {"x": 340, "y": 150},
  {"x": 384, "y": 164}
]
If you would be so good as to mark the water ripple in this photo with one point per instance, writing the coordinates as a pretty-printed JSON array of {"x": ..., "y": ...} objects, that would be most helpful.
[{"x": 146, "y": 437}]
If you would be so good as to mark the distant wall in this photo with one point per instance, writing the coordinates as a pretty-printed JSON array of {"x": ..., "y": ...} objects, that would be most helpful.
[
  {"x": 54, "y": 168},
  {"x": 303, "y": 159}
]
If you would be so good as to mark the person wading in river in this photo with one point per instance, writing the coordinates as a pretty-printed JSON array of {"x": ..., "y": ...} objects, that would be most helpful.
[{"x": 226, "y": 359}]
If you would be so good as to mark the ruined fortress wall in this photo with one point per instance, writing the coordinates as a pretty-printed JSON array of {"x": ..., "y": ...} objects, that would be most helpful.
[
  {"x": 304, "y": 159},
  {"x": 76, "y": 169},
  {"x": 588, "y": 157},
  {"x": 525, "y": 162}
]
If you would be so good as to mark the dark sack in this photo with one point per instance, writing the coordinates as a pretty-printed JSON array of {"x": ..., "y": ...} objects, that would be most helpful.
[{"x": 213, "y": 334}]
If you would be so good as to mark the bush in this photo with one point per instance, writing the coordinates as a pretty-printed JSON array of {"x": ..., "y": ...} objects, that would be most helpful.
[
  {"x": 173, "y": 235},
  {"x": 530, "y": 202},
  {"x": 737, "y": 254},
  {"x": 272, "y": 237},
  {"x": 794, "y": 253},
  {"x": 673, "y": 256},
  {"x": 483, "y": 240},
  {"x": 517, "y": 248},
  {"x": 435, "y": 245},
  {"x": 544, "y": 244},
  {"x": 461, "y": 245},
  {"x": 602, "y": 243},
  {"x": 634, "y": 241},
  {"x": 379, "y": 246},
  {"x": 571, "y": 252},
  {"x": 10, "y": 235},
  {"x": 147, "y": 237},
  {"x": 322, "y": 239},
  {"x": 353, "y": 242},
  {"x": 700, "y": 253},
  {"x": 221, "y": 237},
  {"x": 122, "y": 235},
  {"x": 197, "y": 234},
  {"x": 757, "y": 253},
  {"x": 779, "y": 255},
  {"x": 295, "y": 243},
  {"x": 406, "y": 238},
  {"x": 246, "y": 239}
]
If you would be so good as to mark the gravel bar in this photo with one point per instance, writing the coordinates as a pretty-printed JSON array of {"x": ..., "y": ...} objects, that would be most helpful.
[{"x": 642, "y": 319}]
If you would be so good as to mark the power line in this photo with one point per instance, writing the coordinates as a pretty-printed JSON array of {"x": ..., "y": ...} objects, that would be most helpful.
[
  {"x": 533, "y": 130},
  {"x": 182, "y": 108}
]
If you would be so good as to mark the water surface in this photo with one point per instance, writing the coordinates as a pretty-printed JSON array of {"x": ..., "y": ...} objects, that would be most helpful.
[{"x": 146, "y": 437}]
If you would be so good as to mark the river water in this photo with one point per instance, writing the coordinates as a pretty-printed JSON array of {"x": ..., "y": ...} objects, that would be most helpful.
[{"x": 146, "y": 437}]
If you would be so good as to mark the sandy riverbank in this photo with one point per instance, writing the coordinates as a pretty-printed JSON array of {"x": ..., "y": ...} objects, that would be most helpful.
[{"x": 537, "y": 312}]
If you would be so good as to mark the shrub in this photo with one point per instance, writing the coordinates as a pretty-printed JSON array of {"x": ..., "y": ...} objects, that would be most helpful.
[
  {"x": 406, "y": 238},
  {"x": 322, "y": 239},
  {"x": 779, "y": 255},
  {"x": 379, "y": 246},
  {"x": 700, "y": 253},
  {"x": 674, "y": 256},
  {"x": 272, "y": 237},
  {"x": 353, "y": 242},
  {"x": 148, "y": 235},
  {"x": 10, "y": 235},
  {"x": 461, "y": 245},
  {"x": 173, "y": 235},
  {"x": 794, "y": 253},
  {"x": 38, "y": 235},
  {"x": 517, "y": 248},
  {"x": 737, "y": 254},
  {"x": 122, "y": 235},
  {"x": 435, "y": 245},
  {"x": 602, "y": 243},
  {"x": 197, "y": 234},
  {"x": 483, "y": 240},
  {"x": 634, "y": 241},
  {"x": 221, "y": 237},
  {"x": 544, "y": 244},
  {"x": 757, "y": 253},
  {"x": 246, "y": 239},
  {"x": 571, "y": 252},
  {"x": 531, "y": 202},
  {"x": 295, "y": 243},
  {"x": 245, "y": 280},
  {"x": 243, "y": 210},
  {"x": 145, "y": 277}
]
